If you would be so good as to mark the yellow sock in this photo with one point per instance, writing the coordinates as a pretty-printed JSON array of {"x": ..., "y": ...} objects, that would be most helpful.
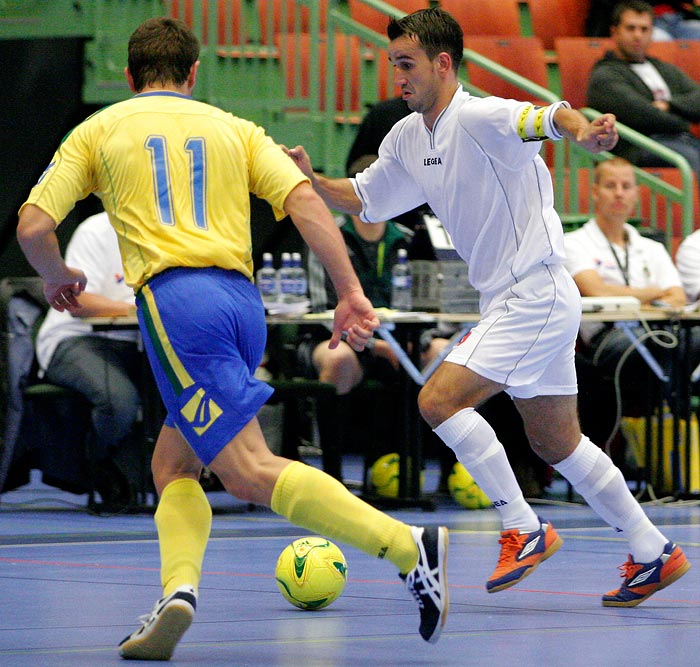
[
  {"x": 316, "y": 501},
  {"x": 183, "y": 520}
]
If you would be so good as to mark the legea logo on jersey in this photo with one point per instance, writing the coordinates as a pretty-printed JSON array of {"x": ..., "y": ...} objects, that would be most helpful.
[
  {"x": 201, "y": 411},
  {"x": 430, "y": 161}
]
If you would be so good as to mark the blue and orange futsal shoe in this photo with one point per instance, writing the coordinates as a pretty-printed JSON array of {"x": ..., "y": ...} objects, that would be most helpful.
[
  {"x": 521, "y": 553},
  {"x": 643, "y": 579}
]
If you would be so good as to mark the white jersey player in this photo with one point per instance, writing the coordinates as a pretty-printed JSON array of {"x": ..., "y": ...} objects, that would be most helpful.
[{"x": 476, "y": 163}]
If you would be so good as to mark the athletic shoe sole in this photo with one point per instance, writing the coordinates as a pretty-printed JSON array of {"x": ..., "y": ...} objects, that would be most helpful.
[{"x": 160, "y": 640}]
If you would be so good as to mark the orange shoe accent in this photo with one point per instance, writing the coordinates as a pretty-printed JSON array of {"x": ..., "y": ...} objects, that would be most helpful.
[{"x": 521, "y": 553}]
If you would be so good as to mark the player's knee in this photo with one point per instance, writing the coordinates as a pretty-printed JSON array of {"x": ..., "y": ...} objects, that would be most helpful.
[
  {"x": 252, "y": 478},
  {"x": 341, "y": 368},
  {"x": 431, "y": 407}
]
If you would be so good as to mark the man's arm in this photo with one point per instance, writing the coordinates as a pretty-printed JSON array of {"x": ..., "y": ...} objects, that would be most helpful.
[
  {"x": 354, "y": 313},
  {"x": 337, "y": 193},
  {"x": 38, "y": 241},
  {"x": 595, "y": 136},
  {"x": 590, "y": 283},
  {"x": 96, "y": 305}
]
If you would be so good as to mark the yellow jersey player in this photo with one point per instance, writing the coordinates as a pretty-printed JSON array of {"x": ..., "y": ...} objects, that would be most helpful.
[{"x": 174, "y": 176}]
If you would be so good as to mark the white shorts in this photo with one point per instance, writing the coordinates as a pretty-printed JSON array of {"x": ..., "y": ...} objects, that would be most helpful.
[{"x": 527, "y": 335}]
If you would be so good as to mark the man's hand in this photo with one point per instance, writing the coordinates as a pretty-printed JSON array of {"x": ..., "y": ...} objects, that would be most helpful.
[
  {"x": 301, "y": 159},
  {"x": 64, "y": 296},
  {"x": 599, "y": 135},
  {"x": 661, "y": 105},
  {"x": 354, "y": 317}
]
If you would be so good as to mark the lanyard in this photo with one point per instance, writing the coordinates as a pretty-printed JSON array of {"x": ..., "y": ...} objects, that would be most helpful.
[{"x": 624, "y": 268}]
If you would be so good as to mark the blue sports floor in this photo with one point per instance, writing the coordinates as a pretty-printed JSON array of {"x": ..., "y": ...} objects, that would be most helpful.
[{"x": 73, "y": 585}]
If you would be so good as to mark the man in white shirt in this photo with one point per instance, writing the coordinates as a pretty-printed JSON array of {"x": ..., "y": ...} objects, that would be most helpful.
[
  {"x": 103, "y": 366},
  {"x": 688, "y": 263},
  {"x": 476, "y": 164},
  {"x": 608, "y": 257}
]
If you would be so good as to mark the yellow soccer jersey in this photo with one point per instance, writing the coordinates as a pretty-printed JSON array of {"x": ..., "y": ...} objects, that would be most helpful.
[{"x": 174, "y": 175}]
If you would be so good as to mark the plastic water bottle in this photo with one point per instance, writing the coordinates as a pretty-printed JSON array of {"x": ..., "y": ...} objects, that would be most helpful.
[
  {"x": 285, "y": 279},
  {"x": 401, "y": 283},
  {"x": 266, "y": 280},
  {"x": 300, "y": 280}
]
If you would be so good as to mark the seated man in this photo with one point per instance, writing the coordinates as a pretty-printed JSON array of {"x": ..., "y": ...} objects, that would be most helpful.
[
  {"x": 103, "y": 366},
  {"x": 651, "y": 96},
  {"x": 373, "y": 250},
  {"x": 609, "y": 257}
]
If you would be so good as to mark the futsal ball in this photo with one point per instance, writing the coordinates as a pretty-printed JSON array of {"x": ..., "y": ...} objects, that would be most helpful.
[
  {"x": 464, "y": 489},
  {"x": 384, "y": 476},
  {"x": 311, "y": 573}
]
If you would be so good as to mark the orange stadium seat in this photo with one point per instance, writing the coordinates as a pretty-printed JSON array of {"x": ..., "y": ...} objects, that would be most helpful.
[
  {"x": 688, "y": 57},
  {"x": 557, "y": 18},
  {"x": 485, "y": 17},
  {"x": 377, "y": 21},
  {"x": 523, "y": 55},
  {"x": 576, "y": 57},
  {"x": 286, "y": 17},
  {"x": 229, "y": 19},
  {"x": 663, "y": 51},
  {"x": 672, "y": 176},
  {"x": 296, "y": 49}
]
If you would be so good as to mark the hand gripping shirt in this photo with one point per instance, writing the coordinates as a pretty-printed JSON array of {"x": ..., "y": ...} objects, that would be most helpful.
[
  {"x": 174, "y": 175},
  {"x": 482, "y": 177}
]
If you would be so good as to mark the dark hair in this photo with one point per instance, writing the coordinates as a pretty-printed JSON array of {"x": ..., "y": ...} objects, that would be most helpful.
[
  {"x": 435, "y": 31},
  {"x": 638, "y": 6},
  {"x": 162, "y": 50}
]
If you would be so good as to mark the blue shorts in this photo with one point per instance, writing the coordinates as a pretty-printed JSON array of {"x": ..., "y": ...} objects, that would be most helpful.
[{"x": 204, "y": 332}]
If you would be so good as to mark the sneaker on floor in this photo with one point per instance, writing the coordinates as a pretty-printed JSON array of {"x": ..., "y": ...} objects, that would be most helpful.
[
  {"x": 162, "y": 628},
  {"x": 521, "y": 553},
  {"x": 643, "y": 579},
  {"x": 427, "y": 582}
]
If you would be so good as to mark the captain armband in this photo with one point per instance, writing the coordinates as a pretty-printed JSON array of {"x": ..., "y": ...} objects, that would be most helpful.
[{"x": 537, "y": 123}]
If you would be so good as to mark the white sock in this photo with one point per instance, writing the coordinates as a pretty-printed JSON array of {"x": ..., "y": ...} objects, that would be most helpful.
[
  {"x": 474, "y": 443},
  {"x": 600, "y": 482}
]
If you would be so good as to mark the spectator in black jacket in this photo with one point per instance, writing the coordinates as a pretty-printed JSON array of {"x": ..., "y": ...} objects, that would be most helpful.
[
  {"x": 649, "y": 95},
  {"x": 673, "y": 19}
]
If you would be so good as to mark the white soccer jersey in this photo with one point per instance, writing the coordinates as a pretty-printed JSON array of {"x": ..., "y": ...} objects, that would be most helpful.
[{"x": 489, "y": 188}]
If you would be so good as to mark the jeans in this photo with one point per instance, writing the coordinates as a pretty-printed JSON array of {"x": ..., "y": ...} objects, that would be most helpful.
[{"x": 106, "y": 372}]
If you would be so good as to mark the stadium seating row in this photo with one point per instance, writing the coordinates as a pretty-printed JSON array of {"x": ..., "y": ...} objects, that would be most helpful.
[
  {"x": 557, "y": 27},
  {"x": 549, "y": 18}
]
